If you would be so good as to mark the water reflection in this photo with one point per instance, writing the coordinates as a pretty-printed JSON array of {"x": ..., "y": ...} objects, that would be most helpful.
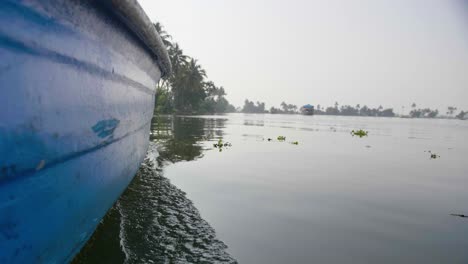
[
  {"x": 153, "y": 221},
  {"x": 254, "y": 122},
  {"x": 180, "y": 138}
]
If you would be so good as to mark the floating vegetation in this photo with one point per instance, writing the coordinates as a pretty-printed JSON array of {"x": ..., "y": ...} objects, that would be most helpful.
[
  {"x": 220, "y": 145},
  {"x": 283, "y": 139},
  {"x": 360, "y": 133},
  {"x": 432, "y": 155}
]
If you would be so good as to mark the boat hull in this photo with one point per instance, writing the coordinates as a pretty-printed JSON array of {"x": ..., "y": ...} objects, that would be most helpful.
[{"x": 76, "y": 101}]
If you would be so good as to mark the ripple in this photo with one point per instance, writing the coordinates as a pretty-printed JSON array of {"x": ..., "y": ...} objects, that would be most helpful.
[{"x": 157, "y": 224}]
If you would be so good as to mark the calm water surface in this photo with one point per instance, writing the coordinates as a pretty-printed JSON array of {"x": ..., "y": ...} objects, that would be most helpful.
[{"x": 333, "y": 198}]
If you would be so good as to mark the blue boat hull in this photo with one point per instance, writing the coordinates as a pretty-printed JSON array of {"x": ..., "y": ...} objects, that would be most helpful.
[{"x": 76, "y": 100}]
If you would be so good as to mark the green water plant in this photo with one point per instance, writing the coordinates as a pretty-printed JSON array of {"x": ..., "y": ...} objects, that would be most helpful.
[
  {"x": 220, "y": 145},
  {"x": 360, "y": 133},
  {"x": 281, "y": 138},
  {"x": 432, "y": 155}
]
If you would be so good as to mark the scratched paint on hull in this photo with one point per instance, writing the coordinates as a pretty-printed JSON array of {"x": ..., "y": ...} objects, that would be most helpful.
[{"x": 105, "y": 128}]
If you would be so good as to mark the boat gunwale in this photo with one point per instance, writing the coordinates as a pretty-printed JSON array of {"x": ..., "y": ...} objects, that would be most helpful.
[{"x": 132, "y": 15}]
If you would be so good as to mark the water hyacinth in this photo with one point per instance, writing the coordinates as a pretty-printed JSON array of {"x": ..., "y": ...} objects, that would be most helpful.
[
  {"x": 432, "y": 155},
  {"x": 220, "y": 145},
  {"x": 360, "y": 133}
]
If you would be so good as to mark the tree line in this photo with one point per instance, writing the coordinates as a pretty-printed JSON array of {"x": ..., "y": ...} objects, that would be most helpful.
[
  {"x": 348, "y": 110},
  {"x": 259, "y": 107},
  {"x": 432, "y": 113},
  {"x": 187, "y": 90}
]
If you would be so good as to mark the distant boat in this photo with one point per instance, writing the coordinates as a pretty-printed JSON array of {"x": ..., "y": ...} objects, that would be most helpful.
[
  {"x": 307, "y": 109},
  {"x": 77, "y": 95}
]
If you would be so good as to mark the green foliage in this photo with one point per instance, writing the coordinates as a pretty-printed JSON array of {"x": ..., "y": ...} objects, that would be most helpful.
[
  {"x": 288, "y": 108},
  {"x": 282, "y": 139},
  {"x": 424, "y": 113},
  {"x": 347, "y": 110},
  {"x": 360, "y": 133},
  {"x": 251, "y": 107},
  {"x": 186, "y": 90},
  {"x": 285, "y": 109},
  {"x": 220, "y": 145},
  {"x": 163, "y": 102},
  {"x": 215, "y": 102},
  {"x": 274, "y": 110},
  {"x": 462, "y": 115}
]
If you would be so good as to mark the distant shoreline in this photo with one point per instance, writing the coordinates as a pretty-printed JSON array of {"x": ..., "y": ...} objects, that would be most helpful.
[{"x": 298, "y": 114}]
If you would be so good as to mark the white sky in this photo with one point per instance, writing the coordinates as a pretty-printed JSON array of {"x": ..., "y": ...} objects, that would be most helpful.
[{"x": 372, "y": 52}]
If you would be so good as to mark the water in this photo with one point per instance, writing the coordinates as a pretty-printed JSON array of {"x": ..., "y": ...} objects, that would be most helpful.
[{"x": 333, "y": 198}]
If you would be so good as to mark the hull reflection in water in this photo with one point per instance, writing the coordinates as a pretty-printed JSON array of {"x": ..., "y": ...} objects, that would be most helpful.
[{"x": 154, "y": 221}]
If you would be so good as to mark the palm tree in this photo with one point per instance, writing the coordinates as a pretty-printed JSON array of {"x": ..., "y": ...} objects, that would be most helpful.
[
  {"x": 195, "y": 75},
  {"x": 178, "y": 58},
  {"x": 284, "y": 106},
  {"x": 186, "y": 88},
  {"x": 189, "y": 86},
  {"x": 165, "y": 37},
  {"x": 210, "y": 88},
  {"x": 178, "y": 61},
  {"x": 221, "y": 92}
]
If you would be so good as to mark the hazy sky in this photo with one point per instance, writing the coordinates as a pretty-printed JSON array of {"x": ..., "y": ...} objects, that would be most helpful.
[{"x": 372, "y": 52}]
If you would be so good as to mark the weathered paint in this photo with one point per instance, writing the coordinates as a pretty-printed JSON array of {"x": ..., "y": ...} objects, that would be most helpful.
[
  {"x": 105, "y": 128},
  {"x": 76, "y": 100}
]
